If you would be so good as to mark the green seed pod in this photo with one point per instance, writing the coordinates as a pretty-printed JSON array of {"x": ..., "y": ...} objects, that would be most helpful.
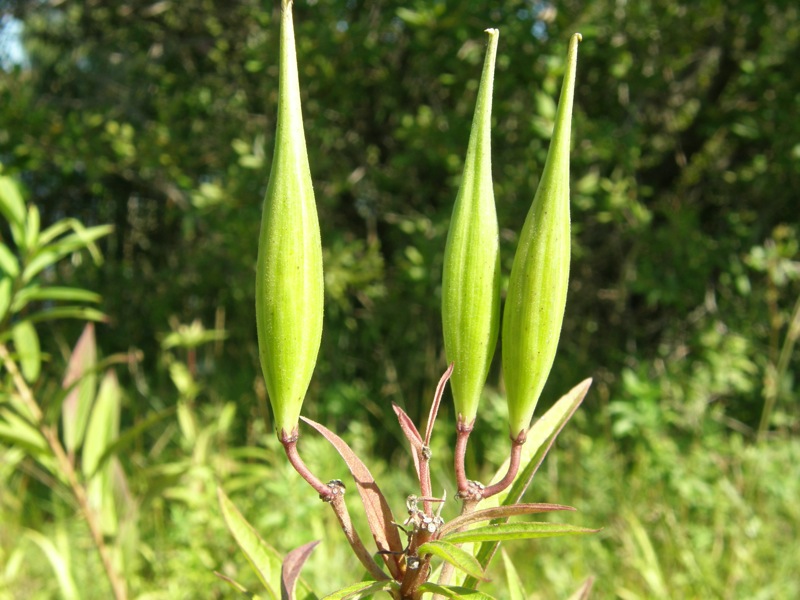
[
  {"x": 537, "y": 290},
  {"x": 471, "y": 272},
  {"x": 289, "y": 280}
]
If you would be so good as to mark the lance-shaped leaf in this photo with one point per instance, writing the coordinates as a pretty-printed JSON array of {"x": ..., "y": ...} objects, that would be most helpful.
[
  {"x": 362, "y": 589},
  {"x": 515, "y": 531},
  {"x": 537, "y": 289},
  {"x": 458, "y": 557},
  {"x": 538, "y": 442},
  {"x": 264, "y": 560},
  {"x": 471, "y": 271},
  {"x": 454, "y": 591},
  {"x": 59, "y": 563},
  {"x": 101, "y": 432},
  {"x": 498, "y": 512},
  {"x": 81, "y": 380},
  {"x": 26, "y": 343},
  {"x": 541, "y": 437},
  {"x": 379, "y": 515},
  {"x": 516, "y": 591},
  {"x": 289, "y": 283},
  {"x": 292, "y": 565}
]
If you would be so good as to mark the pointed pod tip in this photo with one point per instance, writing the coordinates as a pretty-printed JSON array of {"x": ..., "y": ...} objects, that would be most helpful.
[
  {"x": 492, "y": 31},
  {"x": 576, "y": 38}
]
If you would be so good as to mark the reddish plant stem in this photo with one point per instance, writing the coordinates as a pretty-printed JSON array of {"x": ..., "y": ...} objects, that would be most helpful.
[
  {"x": 361, "y": 552},
  {"x": 425, "y": 487},
  {"x": 333, "y": 494},
  {"x": 289, "y": 442},
  {"x": 414, "y": 578},
  {"x": 463, "y": 430},
  {"x": 513, "y": 467}
]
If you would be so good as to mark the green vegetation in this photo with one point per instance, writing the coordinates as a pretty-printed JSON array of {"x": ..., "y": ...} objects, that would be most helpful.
[{"x": 158, "y": 119}]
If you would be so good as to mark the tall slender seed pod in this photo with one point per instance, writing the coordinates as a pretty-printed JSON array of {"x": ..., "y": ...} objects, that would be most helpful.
[
  {"x": 471, "y": 273},
  {"x": 537, "y": 290},
  {"x": 289, "y": 280}
]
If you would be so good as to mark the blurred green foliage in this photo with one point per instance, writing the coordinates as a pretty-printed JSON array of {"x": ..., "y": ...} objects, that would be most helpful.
[{"x": 158, "y": 118}]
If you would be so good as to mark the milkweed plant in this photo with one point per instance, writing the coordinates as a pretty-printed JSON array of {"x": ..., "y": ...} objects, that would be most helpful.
[{"x": 419, "y": 554}]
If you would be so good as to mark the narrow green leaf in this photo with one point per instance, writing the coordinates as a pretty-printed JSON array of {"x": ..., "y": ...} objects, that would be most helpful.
[
  {"x": 459, "y": 558},
  {"x": 82, "y": 313},
  {"x": 129, "y": 435},
  {"x": 34, "y": 293},
  {"x": 17, "y": 430},
  {"x": 12, "y": 206},
  {"x": 515, "y": 531},
  {"x": 26, "y": 343},
  {"x": 81, "y": 381},
  {"x": 264, "y": 560},
  {"x": 69, "y": 591},
  {"x": 236, "y": 586},
  {"x": 5, "y": 296},
  {"x": 103, "y": 427},
  {"x": 32, "y": 224},
  {"x": 362, "y": 589},
  {"x": 54, "y": 252},
  {"x": 454, "y": 591},
  {"x": 102, "y": 430},
  {"x": 538, "y": 442},
  {"x": 8, "y": 262},
  {"x": 516, "y": 591},
  {"x": 56, "y": 229}
]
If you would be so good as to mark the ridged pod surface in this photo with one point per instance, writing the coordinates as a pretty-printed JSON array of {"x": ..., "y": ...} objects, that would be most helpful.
[
  {"x": 289, "y": 279},
  {"x": 537, "y": 291},
  {"x": 471, "y": 271}
]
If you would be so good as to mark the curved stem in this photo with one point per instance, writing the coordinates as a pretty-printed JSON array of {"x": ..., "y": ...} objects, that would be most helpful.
[
  {"x": 289, "y": 442},
  {"x": 513, "y": 467},
  {"x": 332, "y": 493}
]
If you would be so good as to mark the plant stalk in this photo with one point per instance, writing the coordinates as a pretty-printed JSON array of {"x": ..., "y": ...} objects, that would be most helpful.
[
  {"x": 50, "y": 435},
  {"x": 333, "y": 494}
]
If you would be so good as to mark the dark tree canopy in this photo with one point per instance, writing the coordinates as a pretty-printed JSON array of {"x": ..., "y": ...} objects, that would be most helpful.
[{"x": 158, "y": 117}]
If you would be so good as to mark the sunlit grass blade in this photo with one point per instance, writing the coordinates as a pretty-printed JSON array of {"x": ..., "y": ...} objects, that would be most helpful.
[{"x": 60, "y": 565}]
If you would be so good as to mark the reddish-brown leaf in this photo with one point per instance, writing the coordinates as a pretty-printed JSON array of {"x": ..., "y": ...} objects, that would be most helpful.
[
  {"x": 499, "y": 512},
  {"x": 379, "y": 515},
  {"x": 411, "y": 433},
  {"x": 291, "y": 567},
  {"x": 80, "y": 381},
  {"x": 437, "y": 399},
  {"x": 582, "y": 593}
]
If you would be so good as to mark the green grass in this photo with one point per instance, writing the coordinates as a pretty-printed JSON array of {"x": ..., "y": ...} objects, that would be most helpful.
[{"x": 696, "y": 517}]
